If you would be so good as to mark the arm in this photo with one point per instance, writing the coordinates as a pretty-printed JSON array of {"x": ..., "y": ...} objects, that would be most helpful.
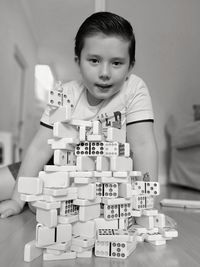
[
  {"x": 143, "y": 145},
  {"x": 36, "y": 156}
]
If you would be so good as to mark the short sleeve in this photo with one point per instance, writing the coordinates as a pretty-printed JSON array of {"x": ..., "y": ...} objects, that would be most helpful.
[
  {"x": 139, "y": 104},
  {"x": 45, "y": 118}
]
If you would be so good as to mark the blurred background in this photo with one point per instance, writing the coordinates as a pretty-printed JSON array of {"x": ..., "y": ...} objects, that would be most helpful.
[{"x": 37, "y": 48}]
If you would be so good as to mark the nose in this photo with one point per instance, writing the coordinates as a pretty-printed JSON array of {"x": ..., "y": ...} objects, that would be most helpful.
[{"x": 104, "y": 72}]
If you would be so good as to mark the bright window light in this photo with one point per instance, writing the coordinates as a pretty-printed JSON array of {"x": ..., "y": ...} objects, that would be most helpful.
[{"x": 44, "y": 81}]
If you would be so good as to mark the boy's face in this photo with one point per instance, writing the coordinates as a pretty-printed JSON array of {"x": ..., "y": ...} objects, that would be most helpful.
[{"x": 104, "y": 65}]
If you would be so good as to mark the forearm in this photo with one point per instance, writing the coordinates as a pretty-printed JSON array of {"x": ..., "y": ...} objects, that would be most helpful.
[
  {"x": 145, "y": 159},
  {"x": 32, "y": 163},
  {"x": 143, "y": 145}
]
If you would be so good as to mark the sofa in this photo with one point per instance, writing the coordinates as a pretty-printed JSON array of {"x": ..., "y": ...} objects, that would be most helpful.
[{"x": 184, "y": 149}]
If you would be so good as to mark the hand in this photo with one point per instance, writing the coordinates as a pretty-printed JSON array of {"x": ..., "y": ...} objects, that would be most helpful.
[{"x": 9, "y": 207}]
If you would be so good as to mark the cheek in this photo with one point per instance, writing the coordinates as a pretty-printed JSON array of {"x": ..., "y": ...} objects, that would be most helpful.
[
  {"x": 121, "y": 77},
  {"x": 89, "y": 74}
]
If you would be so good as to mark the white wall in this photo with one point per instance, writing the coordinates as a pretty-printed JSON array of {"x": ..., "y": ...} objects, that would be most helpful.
[
  {"x": 167, "y": 58},
  {"x": 14, "y": 32}
]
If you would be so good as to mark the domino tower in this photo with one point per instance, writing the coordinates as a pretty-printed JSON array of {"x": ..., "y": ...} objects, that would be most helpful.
[{"x": 90, "y": 201}]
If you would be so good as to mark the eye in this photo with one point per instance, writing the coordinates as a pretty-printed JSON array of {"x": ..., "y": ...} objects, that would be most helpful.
[
  {"x": 117, "y": 63},
  {"x": 93, "y": 61}
]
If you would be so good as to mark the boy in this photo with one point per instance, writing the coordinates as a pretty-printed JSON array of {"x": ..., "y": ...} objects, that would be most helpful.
[{"x": 105, "y": 55}]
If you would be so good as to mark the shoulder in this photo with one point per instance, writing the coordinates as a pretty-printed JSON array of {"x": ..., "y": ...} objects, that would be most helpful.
[
  {"x": 134, "y": 83},
  {"x": 72, "y": 85},
  {"x": 132, "y": 88},
  {"x": 73, "y": 90}
]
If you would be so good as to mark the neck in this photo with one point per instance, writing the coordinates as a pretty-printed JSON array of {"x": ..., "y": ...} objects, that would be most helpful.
[{"x": 92, "y": 100}]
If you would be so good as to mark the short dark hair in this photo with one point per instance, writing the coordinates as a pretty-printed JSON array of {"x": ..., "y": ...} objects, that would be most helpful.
[{"x": 108, "y": 24}]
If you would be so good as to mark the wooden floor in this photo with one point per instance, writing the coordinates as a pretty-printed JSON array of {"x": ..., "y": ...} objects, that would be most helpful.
[{"x": 183, "y": 251}]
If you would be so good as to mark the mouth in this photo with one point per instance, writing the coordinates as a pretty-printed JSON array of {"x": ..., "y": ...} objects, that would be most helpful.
[{"x": 103, "y": 86}]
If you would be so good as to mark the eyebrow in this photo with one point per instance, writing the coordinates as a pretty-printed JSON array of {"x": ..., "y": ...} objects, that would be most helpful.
[
  {"x": 118, "y": 58},
  {"x": 114, "y": 58},
  {"x": 92, "y": 55}
]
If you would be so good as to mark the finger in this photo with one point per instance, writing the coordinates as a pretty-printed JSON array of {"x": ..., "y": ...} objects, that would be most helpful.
[
  {"x": 2, "y": 207},
  {"x": 7, "y": 213}
]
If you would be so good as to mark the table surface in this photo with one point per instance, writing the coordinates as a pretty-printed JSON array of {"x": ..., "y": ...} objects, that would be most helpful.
[{"x": 16, "y": 231}]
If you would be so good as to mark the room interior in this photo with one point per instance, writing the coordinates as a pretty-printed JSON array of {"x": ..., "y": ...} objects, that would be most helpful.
[
  {"x": 167, "y": 58},
  {"x": 41, "y": 32}
]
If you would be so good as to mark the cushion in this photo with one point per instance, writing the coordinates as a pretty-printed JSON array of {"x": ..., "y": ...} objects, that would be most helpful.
[{"x": 187, "y": 136}]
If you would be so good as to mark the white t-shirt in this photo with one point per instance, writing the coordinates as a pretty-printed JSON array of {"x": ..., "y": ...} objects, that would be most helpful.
[{"x": 131, "y": 104}]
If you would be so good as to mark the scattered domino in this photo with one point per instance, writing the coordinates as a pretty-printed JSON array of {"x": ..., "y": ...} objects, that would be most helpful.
[
  {"x": 63, "y": 114},
  {"x": 55, "y": 98},
  {"x": 47, "y": 217},
  {"x": 46, "y": 205},
  {"x": 63, "y": 256},
  {"x": 113, "y": 235},
  {"x": 31, "y": 252},
  {"x": 191, "y": 204},
  {"x": 84, "y": 254},
  {"x": 30, "y": 185},
  {"x": 109, "y": 190},
  {"x": 82, "y": 241}
]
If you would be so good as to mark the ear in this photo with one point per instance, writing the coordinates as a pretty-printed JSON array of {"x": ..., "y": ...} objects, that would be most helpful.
[
  {"x": 131, "y": 67},
  {"x": 76, "y": 59},
  {"x": 129, "y": 71}
]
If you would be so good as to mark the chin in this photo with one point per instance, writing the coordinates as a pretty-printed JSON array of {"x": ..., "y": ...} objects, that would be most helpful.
[
  {"x": 104, "y": 96},
  {"x": 109, "y": 94}
]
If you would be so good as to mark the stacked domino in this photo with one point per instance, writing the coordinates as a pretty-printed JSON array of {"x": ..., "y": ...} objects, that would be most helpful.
[{"x": 90, "y": 199}]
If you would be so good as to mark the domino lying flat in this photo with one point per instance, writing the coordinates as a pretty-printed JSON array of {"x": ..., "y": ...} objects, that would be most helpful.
[
  {"x": 191, "y": 204},
  {"x": 91, "y": 196}
]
